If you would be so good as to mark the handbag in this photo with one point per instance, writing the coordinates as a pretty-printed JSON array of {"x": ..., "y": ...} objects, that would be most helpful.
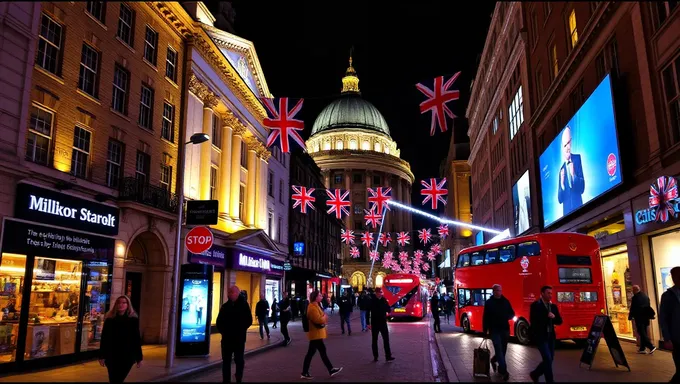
[{"x": 482, "y": 360}]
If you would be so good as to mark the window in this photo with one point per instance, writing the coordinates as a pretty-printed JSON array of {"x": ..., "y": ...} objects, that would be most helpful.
[
  {"x": 150, "y": 45},
  {"x": 339, "y": 145},
  {"x": 39, "y": 137},
  {"x": 146, "y": 107},
  {"x": 142, "y": 164},
  {"x": 480, "y": 296},
  {"x": 352, "y": 144},
  {"x": 358, "y": 178},
  {"x": 216, "y": 131},
  {"x": 279, "y": 231},
  {"x": 506, "y": 253},
  {"x": 166, "y": 177},
  {"x": 539, "y": 81},
  {"x": 337, "y": 178},
  {"x": 492, "y": 256},
  {"x": 270, "y": 184},
  {"x": 327, "y": 146},
  {"x": 125, "y": 23},
  {"x": 530, "y": 248},
  {"x": 477, "y": 258},
  {"x": 358, "y": 209},
  {"x": 81, "y": 152},
  {"x": 671, "y": 85},
  {"x": 270, "y": 223},
  {"x": 387, "y": 150},
  {"x": 575, "y": 275},
  {"x": 241, "y": 200},
  {"x": 516, "y": 113},
  {"x": 495, "y": 124},
  {"x": 97, "y": 9},
  {"x": 244, "y": 155},
  {"x": 663, "y": 10},
  {"x": 89, "y": 65},
  {"x": 114, "y": 161},
  {"x": 376, "y": 180},
  {"x": 171, "y": 65},
  {"x": 121, "y": 82},
  {"x": 607, "y": 61},
  {"x": 554, "y": 62},
  {"x": 572, "y": 28},
  {"x": 377, "y": 147},
  {"x": 213, "y": 183},
  {"x": 463, "y": 260},
  {"x": 463, "y": 297},
  {"x": 281, "y": 191},
  {"x": 365, "y": 145},
  {"x": 168, "y": 126},
  {"x": 49, "y": 45}
]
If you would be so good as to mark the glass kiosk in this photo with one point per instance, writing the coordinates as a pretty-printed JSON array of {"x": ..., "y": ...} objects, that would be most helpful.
[{"x": 193, "y": 333}]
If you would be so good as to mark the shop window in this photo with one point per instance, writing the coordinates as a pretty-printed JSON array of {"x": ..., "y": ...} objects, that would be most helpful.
[
  {"x": 216, "y": 297},
  {"x": 96, "y": 303},
  {"x": 618, "y": 291},
  {"x": 664, "y": 257},
  {"x": 12, "y": 271}
]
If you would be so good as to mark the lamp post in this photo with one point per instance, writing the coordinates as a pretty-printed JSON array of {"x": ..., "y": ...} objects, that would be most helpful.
[{"x": 196, "y": 138}]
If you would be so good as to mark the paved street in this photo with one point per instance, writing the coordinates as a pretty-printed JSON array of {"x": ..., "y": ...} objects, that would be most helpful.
[{"x": 410, "y": 346}]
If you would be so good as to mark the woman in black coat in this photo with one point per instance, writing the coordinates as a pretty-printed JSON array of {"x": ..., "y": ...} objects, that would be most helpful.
[
  {"x": 121, "y": 344},
  {"x": 275, "y": 312}
]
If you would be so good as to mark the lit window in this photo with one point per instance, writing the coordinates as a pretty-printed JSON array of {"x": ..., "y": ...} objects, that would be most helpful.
[
  {"x": 377, "y": 147},
  {"x": 150, "y": 45},
  {"x": 39, "y": 136},
  {"x": 146, "y": 107},
  {"x": 171, "y": 65},
  {"x": 49, "y": 45},
  {"x": 213, "y": 183},
  {"x": 120, "y": 89},
  {"x": 96, "y": 9},
  {"x": 168, "y": 127},
  {"x": 166, "y": 177},
  {"x": 125, "y": 24},
  {"x": 352, "y": 144},
  {"x": 516, "y": 113},
  {"x": 555, "y": 63},
  {"x": 387, "y": 150},
  {"x": 495, "y": 124},
  {"x": 339, "y": 145},
  {"x": 216, "y": 131},
  {"x": 81, "y": 152},
  {"x": 142, "y": 167},
  {"x": 316, "y": 147},
  {"x": 365, "y": 145},
  {"x": 327, "y": 146},
  {"x": 572, "y": 28}
]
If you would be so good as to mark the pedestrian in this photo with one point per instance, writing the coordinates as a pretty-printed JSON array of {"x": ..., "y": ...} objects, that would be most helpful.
[
  {"x": 544, "y": 316},
  {"x": 317, "y": 332},
  {"x": 356, "y": 299},
  {"x": 641, "y": 313},
  {"x": 333, "y": 303},
  {"x": 434, "y": 305},
  {"x": 285, "y": 309},
  {"x": 449, "y": 308},
  {"x": 121, "y": 343},
  {"x": 294, "y": 307},
  {"x": 275, "y": 312},
  {"x": 262, "y": 312},
  {"x": 363, "y": 308},
  {"x": 380, "y": 308},
  {"x": 497, "y": 313},
  {"x": 233, "y": 322},
  {"x": 369, "y": 300},
  {"x": 345, "y": 312},
  {"x": 669, "y": 320}
]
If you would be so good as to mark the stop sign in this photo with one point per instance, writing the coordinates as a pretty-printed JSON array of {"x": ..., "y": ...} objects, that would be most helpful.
[{"x": 199, "y": 240}]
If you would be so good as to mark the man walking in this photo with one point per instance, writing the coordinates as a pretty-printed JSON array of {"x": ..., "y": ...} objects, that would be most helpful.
[
  {"x": 380, "y": 308},
  {"x": 640, "y": 313},
  {"x": 544, "y": 316},
  {"x": 345, "y": 305},
  {"x": 284, "y": 307},
  {"x": 262, "y": 313},
  {"x": 233, "y": 322},
  {"x": 434, "y": 306},
  {"x": 497, "y": 312},
  {"x": 669, "y": 320},
  {"x": 363, "y": 308}
]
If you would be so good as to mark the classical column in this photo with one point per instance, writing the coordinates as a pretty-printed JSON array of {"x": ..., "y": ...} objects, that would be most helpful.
[
  {"x": 260, "y": 187},
  {"x": 225, "y": 167},
  {"x": 209, "y": 102},
  {"x": 388, "y": 216},
  {"x": 251, "y": 186},
  {"x": 264, "y": 176},
  {"x": 367, "y": 185},
  {"x": 326, "y": 178},
  {"x": 404, "y": 192},
  {"x": 236, "y": 141}
]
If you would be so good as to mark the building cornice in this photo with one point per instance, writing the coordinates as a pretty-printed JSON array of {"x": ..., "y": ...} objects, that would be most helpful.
[
  {"x": 360, "y": 159},
  {"x": 174, "y": 15}
]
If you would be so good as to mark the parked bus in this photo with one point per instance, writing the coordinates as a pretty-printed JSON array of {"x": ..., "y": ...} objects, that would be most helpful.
[
  {"x": 406, "y": 294},
  {"x": 569, "y": 262}
]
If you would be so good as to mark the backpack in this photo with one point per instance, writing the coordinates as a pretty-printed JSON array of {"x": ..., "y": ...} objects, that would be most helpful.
[
  {"x": 648, "y": 312},
  {"x": 305, "y": 322}
]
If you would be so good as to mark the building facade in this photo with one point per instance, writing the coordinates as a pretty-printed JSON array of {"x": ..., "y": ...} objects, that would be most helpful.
[
  {"x": 278, "y": 201},
  {"x": 315, "y": 247},
  {"x": 351, "y": 143}
]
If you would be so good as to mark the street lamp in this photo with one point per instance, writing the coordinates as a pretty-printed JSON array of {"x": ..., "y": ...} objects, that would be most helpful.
[{"x": 196, "y": 138}]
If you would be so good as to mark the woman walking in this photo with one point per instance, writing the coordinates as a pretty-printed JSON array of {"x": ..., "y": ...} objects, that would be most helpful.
[
  {"x": 275, "y": 312},
  {"x": 121, "y": 344},
  {"x": 317, "y": 332}
]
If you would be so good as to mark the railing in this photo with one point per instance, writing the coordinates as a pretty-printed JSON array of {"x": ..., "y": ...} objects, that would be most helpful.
[{"x": 135, "y": 190}]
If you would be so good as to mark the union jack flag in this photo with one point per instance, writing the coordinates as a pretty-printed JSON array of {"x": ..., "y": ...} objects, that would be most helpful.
[
  {"x": 367, "y": 239},
  {"x": 417, "y": 260},
  {"x": 437, "y": 99},
  {"x": 385, "y": 238},
  {"x": 388, "y": 256},
  {"x": 347, "y": 236},
  {"x": 418, "y": 255},
  {"x": 662, "y": 195},
  {"x": 443, "y": 231},
  {"x": 436, "y": 249},
  {"x": 379, "y": 198},
  {"x": 283, "y": 123},
  {"x": 386, "y": 263},
  {"x": 430, "y": 256},
  {"x": 338, "y": 202},
  {"x": 403, "y": 255},
  {"x": 354, "y": 252},
  {"x": 426, "y": 267},
  {"x": 424, "y": 235},
  {"x": 405, "y": 262},
  {"x": 372, "y": 218},
  {"x": 303, "y": 197},
  {"x": 374, "y": 255},
  {"x": 434, "y": 192},
  {"x": 415, "y": 269},
  {"x": 403, "y": 238}
]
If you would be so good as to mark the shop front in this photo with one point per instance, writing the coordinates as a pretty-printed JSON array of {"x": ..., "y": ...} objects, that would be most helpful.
[
  {"x": 273, "y": 283},
  {"x": 56, "y": 265},
  {"x": 324, "y": 283},
  {"x": 300, "y": 282},
  {"x": 214, "y": 256},
  {"x": 252, "y": 270}
]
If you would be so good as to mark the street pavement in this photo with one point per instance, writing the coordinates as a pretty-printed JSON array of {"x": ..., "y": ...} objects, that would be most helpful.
[{"x": 410, "y": 342}]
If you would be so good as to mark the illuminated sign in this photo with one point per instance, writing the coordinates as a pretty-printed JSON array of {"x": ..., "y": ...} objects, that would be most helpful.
[
  {"x": 399, "y": 281},
  {"x": 253, "y": 262},
  {"x": 663, "y": 202},
  {"x": 299, "y": 248},
  {"x": 246, "y": 261}
]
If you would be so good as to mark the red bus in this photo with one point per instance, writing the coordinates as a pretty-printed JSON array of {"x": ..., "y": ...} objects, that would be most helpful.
[
  {"x": 406, "y": 295},
  {"x": 569, "y": 262}
]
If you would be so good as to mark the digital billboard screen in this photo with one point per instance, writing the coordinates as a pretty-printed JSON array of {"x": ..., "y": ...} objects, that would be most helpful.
[
  {"x": 193, "y": 324},
  {"x": 583, "y": 161},
  {"x": 521, "y": 201}
]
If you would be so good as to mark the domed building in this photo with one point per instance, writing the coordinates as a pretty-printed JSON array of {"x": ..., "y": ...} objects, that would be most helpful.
[{"x": 351, "y": 143}]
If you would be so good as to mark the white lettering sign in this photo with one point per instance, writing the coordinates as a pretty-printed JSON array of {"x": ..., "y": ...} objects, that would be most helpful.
[
  {"x": 258, "y": 263},
  {"x": 54, "y": 207}
]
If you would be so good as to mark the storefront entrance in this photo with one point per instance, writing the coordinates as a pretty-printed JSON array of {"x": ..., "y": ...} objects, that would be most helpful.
[
  {"x": 272, "y": 291},
  {"x": 618, "y": 289}
]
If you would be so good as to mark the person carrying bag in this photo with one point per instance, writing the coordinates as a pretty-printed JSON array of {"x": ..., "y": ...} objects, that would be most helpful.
[{"x": 482, "y": 360}]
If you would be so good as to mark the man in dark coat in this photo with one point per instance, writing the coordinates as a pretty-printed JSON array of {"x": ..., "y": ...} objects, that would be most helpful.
[
  {"x": 497, "y": 312},
  {"x": 233, "y": 322},
  {"x": 669, "y": 320},
  {"x": 285, "y": 311},
  {"x": 639, "y": 312},
  {"x": 262, "y": 313},
  {"x": 543, "y": 317},
  {"x": 345, "y": 305},
  {"x": 434, "y": 307},
  {"x": 380, "y": 308}
]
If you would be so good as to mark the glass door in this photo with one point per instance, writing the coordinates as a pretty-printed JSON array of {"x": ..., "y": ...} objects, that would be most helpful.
[{"x": 97, "y": 280}]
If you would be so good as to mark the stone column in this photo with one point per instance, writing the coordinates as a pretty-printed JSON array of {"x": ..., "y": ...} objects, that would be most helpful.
[
  {"x": 225, "y": 167},
  {"x": 236, "y": 141},
  {"x": 209, "y": 102},
  {"x": 264, "y": 176},
  {"x": 251, "y": 186},
  {"x": 404, "y": 198},
  {"x": 260, "y": 187},
  {"x": 387, "y": 182}
]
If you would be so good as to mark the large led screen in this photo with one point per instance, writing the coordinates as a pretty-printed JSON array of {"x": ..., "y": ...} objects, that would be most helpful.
[
  {"x": 521, "y": 201},
  {"x": 582, "y": 162}
]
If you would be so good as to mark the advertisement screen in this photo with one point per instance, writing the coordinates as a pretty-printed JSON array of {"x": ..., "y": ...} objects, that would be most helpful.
[
  {"x": 194, "y": 310},
  {"x": 582, "y": 162},
  {"x": 521, "y": 201}
]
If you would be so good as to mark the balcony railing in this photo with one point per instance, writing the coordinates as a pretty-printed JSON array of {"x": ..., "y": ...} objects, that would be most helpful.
[{"x": 138, "y": 191}]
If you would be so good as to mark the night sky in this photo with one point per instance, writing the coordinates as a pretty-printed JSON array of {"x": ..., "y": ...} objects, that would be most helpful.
[{"x": 303, "y": 48}]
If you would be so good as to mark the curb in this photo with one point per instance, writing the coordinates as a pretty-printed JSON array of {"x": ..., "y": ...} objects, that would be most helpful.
[{"x": 450, "y": 372}]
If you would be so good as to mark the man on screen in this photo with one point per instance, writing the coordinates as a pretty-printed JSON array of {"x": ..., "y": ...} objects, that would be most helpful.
[{"x": 571, "y": 184}]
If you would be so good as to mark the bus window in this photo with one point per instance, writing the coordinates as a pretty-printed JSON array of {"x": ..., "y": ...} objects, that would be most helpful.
[
  {"x": 530, "y": 248},
  {"x": 491, "y": 256},
  {"x": 507, "y": 253},
  {"x": 573, "y": 260},
  {"x": 477, "y": 258},
  {"x": 480, "y": 296},
  {"x": 463, "y": 297},
  {"x": 575, "y": 276},
  {"x": 463, "y": 260}
]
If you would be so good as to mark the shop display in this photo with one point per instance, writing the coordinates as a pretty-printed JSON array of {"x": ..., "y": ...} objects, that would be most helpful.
[
  {"x": 12, "y": 269},
  {"x": 618, "y": 292}
]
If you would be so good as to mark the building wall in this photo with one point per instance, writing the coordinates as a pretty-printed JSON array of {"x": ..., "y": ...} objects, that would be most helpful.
[{"x": 279, "y": 199}]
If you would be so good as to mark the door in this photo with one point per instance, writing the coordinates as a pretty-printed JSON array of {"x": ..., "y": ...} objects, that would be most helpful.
[{"x": 133, "y": 290}]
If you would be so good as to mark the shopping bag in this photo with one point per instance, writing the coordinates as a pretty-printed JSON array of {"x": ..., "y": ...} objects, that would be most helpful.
[{"x": 482, "y": 360}]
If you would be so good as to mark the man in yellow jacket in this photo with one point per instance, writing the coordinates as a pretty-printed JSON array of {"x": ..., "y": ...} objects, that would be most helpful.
[{"x": 317, "y": 320}]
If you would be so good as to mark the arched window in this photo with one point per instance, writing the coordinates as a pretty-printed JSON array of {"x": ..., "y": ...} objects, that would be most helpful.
[
  {"x": 352, "y": 144},
  {"x": 339, "y": 145},
  {"x": 358, "y": 281},
  {"x": 379, "y": 279},
  {"x": 327, "y": 146},
  {"x": 365, "y": 145},
  {"x": 377, "y": 147},
  {"x": 316, "y": 147},
  {"x": 387, "y": 149}
]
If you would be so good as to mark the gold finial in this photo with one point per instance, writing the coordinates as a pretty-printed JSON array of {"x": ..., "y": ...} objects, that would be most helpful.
[{"x": 350, "y": 83}]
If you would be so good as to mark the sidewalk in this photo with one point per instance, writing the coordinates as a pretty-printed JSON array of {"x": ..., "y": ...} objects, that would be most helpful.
[
  {"x": 153, "y": 368},
  {"x": 456, "y": 349}
]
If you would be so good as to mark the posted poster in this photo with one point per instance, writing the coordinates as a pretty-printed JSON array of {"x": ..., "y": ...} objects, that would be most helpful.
[{"x": 193, "y": 325}]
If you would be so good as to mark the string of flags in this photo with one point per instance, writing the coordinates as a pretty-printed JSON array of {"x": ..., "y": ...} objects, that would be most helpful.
[{"x": 419, "y": 263}]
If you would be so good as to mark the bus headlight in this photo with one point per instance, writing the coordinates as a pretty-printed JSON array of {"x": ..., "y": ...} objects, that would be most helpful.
[{"x": 514, "y": 318}]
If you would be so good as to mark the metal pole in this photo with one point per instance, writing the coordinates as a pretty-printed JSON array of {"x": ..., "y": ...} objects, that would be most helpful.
[{"x": 377, "y": 244}]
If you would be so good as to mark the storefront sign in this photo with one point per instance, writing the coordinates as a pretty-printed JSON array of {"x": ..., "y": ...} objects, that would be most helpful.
[
  {"x": 202, "y": 212},
  {"x": 213, "y": 256},
  {"x": 287, "y": 266},
  {"x": 27, "y": 238},
  {"x": 248, "y": 261},
  {"x": 323, "y": 275},
  {"x": 55, "y": 208},
  {"x": 663, "y": 202},
  {"x": 299, "y": 248}
]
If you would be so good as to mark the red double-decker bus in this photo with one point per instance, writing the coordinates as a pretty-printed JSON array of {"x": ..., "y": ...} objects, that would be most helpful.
[
  {"x": 406, "y": 295},
  {"x": 569, "y": 262}
]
